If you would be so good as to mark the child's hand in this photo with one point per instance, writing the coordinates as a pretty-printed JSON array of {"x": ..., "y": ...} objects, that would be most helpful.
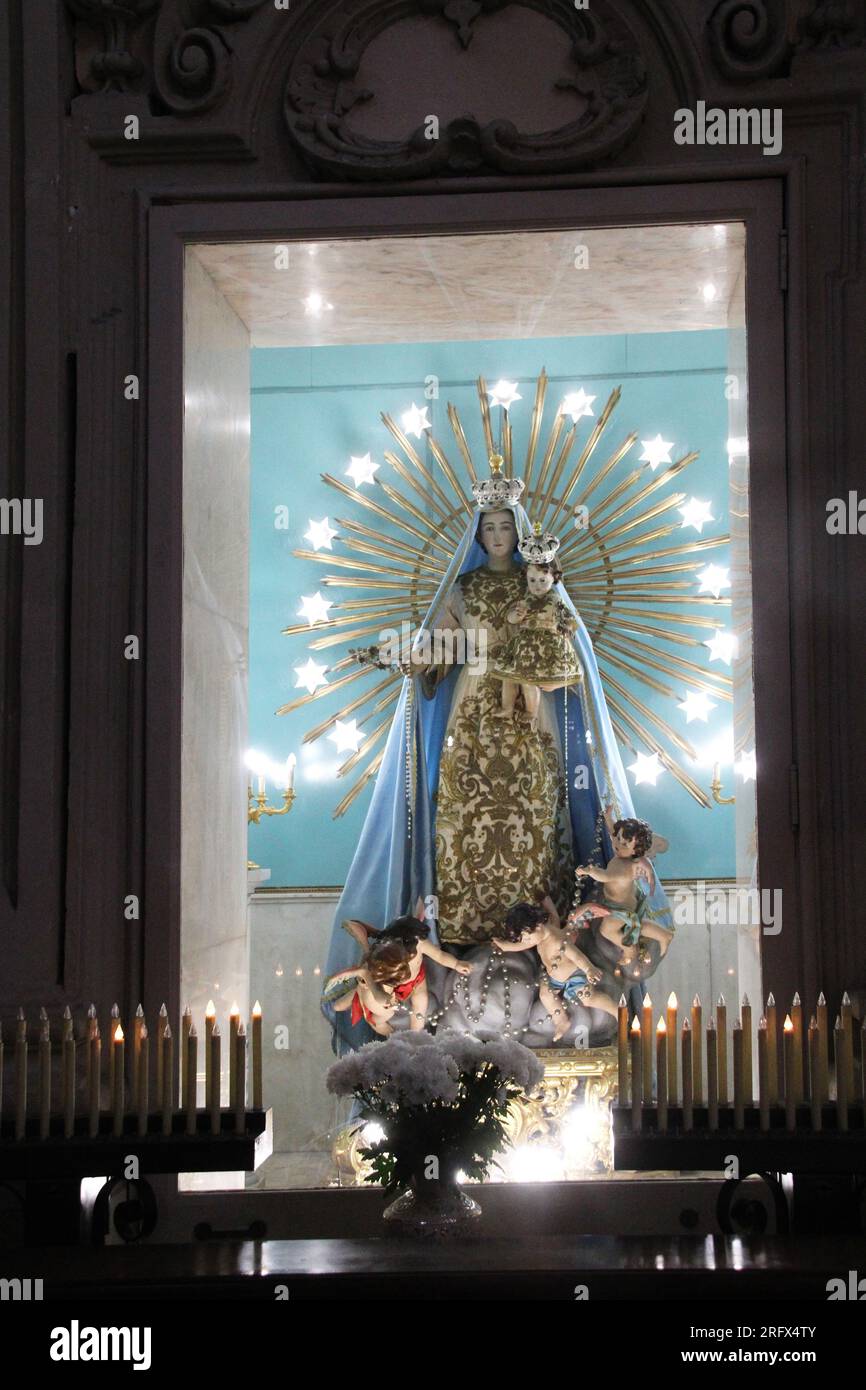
[
  {"x": 585, "y": 871},
  {"x": 462, "y": 967}
]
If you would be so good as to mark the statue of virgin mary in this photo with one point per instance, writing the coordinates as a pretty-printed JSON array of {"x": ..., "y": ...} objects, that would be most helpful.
[{"x": 473, "y": 812}]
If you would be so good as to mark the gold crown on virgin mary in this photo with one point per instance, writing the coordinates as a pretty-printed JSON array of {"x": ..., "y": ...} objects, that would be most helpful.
[
  {"x": 540, "y": 548},
  {"x": 496, "y": 492}
]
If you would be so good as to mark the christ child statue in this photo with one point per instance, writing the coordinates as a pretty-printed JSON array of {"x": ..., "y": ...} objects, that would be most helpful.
[
  {"x": 569, "y": 976},
  {"x": 392, "y": 972},
  {"x": 538, "y": 653},
  {"x": 624, "y": 902}
]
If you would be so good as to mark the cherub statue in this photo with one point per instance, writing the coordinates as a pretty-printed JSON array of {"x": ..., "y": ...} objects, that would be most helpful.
[
  {"x": 568, "y": 973},
  {"x": 538, "y": 653},
  {"x": 392, "y": 971},
  {"x": 624, "y": 902}
]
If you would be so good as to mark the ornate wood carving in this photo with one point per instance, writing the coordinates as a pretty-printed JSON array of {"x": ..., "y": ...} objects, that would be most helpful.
[
  {"x": 326, "y": 81},
  {"x": 752, "y": 39}
]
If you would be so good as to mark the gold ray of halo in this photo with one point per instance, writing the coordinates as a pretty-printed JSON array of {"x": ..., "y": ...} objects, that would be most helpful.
[
  {"x": 534, "y": 429},
  {"x": 462, "y": 445},
  {"x": 383, "y": 512},
  {"x": 606, "y": 572},
  {"x": 299, "y": 629},
  {"x": 685, "y": 781},
  {"x": 442, "y": 518},
  {"x": 358, "y": 703},
  {"x": 364, "y": 748},
  {"x": 714, "y": 683},
  {"x": 346, "y": 562},
  {"x": 441, "y": 458},
  {"x": 369, "y": 771},
  {"x": 484, "y": 402},
  {"x": 323, "y": 690},
  {"x": 587, "y": 452}
]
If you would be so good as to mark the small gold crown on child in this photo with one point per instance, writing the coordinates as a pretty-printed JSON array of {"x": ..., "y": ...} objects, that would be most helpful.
[
  {"x": 495, "y": 492},
  {"x": 539, "y": 548}
]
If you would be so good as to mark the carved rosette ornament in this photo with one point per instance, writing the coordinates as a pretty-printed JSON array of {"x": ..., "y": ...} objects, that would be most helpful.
[{"x": 604, "y": 69}]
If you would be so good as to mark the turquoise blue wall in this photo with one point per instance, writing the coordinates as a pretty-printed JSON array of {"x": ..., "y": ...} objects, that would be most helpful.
[{"x": 314, "y": 407}]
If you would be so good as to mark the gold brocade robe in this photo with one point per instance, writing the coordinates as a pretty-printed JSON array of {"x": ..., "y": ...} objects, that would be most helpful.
[{"x": 502, "y": 828}]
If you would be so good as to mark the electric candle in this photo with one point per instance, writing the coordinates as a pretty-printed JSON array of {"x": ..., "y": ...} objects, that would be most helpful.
[
  {"x": 772, "y": 1052},
  {"x": 712, "y": 1076},
  {"x": 763, "y": 1070},
  {"x": 209, "y": 1024},
  {"x": 662, "y": 1075},
  {"x": 67, "y": 1024},
  {"x": 797, "y": 1021},
  {"x": 722, "y": 1048},
  {"x": 815, "y": 1075},
  {"x": 823, "y": 1048},
  {"x": 143, "y": 1079},
  {"x": 739, "y": 1087},
  {"x": 290, "y": 772},
  {"x": 161, "y": 1029},
  {"x": 621, "y": 1050},
  {"x": 790, "y": 1076},
  {"x": 44, "y": 1077},
  {"x": 636, "y": 1074},
  {"x": 112, "y": 1033},
  {"x": 20, "y": 1075},
  {"x": 847, "y": 1014},
  {"x": 92, "y": 1030},
  {"x": 185, "y": 1026},
  {"x": 688, "y": 1087},
  {"x": 234, "y": 1023},
  {"x": 240, "y": 1079},
  {"x": 257, "y": 1056},
  {"x": 137, "y": 1025},
  {"x": 68, "y": 1049},
  {"x": 748, "y": 1078},
  {"x": 165, "y": 1045},
  {"x": 190, "y": 1070},
  {"x": 841, "y": 1078},
  {"x": 94, "y": 1053},
  {"x": 261, "y": 785},
  {"x": 646, "y": 1032},
  {"x": 215, "y": 1079},
  {"x": 117, "y": 1057},
  {"x": 697, "y": 1031},
  {"x": 671, "y": 1032}
]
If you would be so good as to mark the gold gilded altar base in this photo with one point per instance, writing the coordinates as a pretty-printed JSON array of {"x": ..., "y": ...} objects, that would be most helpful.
[{"x": 561, "y": 1131}]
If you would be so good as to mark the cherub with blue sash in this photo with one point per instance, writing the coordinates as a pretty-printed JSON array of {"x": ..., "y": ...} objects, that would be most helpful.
[{"x": 624, "y": 904}]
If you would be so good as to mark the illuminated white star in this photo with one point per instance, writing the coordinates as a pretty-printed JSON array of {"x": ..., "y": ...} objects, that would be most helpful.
[
  {"x": 504, "y": 393},
  {"x": 656, "y": 451},
  {"x": 345, "y": 737},
  {"x": 320, "y": 534},
  {"x": 695, "y": 513},
  {"x": 696, "y": 705},
  {"x": 311, "y": 676},
  {"x": 314, "y": 608},
  {"x": 576, "y": 404},
  {"x": 414, "y": 421},
  {"x": 713, "y": 580},
  {"x": 361, "y": 469},
  {"x": 723, "y": 646},
  {"x": 745, "y": 766},
  {"x": 646, "y": 769}
]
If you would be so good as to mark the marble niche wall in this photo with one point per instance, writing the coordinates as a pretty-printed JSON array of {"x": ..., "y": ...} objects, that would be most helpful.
[{"x": 214, "y": 924}]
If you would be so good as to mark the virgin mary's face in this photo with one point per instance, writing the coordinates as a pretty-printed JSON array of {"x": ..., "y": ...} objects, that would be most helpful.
[{"x": 499, "y": 534}]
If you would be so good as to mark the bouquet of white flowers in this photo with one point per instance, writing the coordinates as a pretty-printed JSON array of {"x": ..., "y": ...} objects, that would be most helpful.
[{"x": 441, "y": 1101}]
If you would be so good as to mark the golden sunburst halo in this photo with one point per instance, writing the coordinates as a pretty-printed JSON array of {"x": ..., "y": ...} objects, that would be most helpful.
[{"x": 630, "y": 578}]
